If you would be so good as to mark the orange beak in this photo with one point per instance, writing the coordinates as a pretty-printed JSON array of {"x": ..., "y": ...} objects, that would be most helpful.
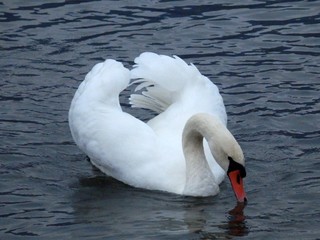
[{"x": 237, "y": 185}]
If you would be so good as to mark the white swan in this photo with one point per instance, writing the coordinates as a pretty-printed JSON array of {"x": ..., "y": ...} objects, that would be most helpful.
[{"x": 167, "y": 153}]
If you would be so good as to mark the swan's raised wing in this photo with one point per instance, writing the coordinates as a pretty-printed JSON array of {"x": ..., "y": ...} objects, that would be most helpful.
[
  {"x": 116, "y": 142},
  {"x": 176, "y": 91}
]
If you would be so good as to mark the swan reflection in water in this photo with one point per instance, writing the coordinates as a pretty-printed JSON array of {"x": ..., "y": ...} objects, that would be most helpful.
[
  {"x": 118, "y": 210},
  {"x": 233, "y": 225},
  {"x": 236, "y": 224}
]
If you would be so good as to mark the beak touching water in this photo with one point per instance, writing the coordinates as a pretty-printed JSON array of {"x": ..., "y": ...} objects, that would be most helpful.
[{"x": 236, "y": 173}]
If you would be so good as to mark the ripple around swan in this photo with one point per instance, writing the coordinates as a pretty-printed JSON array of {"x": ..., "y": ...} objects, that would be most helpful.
[{"x": 264, "y": 57}]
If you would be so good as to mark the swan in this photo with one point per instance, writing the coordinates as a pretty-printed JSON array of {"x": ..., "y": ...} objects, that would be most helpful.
[{"x": 185, "y": 149}]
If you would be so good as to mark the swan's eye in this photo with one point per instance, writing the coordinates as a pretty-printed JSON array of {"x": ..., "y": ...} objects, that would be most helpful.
[
  {"x": 238, "y": 178},
  {"x": 233, "y": 165}
]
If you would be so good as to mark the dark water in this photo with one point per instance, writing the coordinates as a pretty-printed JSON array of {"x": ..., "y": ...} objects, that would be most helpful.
[{"x": 265, "y": 58}]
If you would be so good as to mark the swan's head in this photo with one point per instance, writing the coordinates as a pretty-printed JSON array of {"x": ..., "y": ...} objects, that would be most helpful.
[
  {"x": 233, "y": 163},
  {"x": 236, "y": 172},
  {"x": 229, "y": 156}
]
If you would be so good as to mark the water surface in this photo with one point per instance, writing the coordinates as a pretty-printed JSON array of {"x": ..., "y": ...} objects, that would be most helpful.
[{"x": 264, "y": 57}]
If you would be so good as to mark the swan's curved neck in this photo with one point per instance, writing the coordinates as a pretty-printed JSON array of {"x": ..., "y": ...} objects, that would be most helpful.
[{"x": 199, "y": 177}]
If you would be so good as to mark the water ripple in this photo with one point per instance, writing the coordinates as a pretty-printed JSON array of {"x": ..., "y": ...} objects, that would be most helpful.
[{"x": 264, "y": 56}]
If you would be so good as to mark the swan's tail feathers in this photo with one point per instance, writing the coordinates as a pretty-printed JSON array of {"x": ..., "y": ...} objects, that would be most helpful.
[{"x": 162, "y": 77}]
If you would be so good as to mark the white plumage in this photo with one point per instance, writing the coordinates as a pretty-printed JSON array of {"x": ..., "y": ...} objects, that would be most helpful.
[{"x": 149, "y": 155}]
